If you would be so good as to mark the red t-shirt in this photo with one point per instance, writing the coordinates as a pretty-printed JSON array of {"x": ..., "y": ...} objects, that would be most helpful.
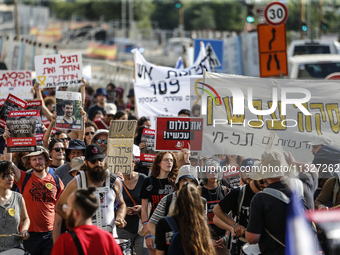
[
  {"x": 92, "y": 239},
  {"x": 100, "y": 124},
  {"x": 40, "y": 196}
]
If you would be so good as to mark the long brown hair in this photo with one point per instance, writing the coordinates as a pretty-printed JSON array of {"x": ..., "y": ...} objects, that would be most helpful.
[
  {"x": 189, "y": 215},
  {"x": 156, "y": 169}
]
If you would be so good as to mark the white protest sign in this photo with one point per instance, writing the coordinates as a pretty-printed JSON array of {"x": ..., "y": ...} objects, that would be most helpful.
[
  {"x": 58, "y": 70},
  {"x": 146, "y": 72},
  {"x": 120, "y": 146},
  {"x": 165, "y": 97},
  {"x": 17, "y": 83},
  {"x": 248, "y": 134}
]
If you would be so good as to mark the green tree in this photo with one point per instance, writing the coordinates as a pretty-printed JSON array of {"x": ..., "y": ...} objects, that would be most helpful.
[{"x": 204, "y": 18}]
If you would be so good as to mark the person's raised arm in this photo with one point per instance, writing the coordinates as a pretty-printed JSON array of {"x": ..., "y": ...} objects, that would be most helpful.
[
  {"x": 45, "y": 110},
  {"x": 82, "y": 91},
  {"x": 71, "y": 187},
  {"x": 8, "y": 156},
  {"x": 47, "y": 135},
  {"x": 81, "y": 133},
  {"x": 25, "y": 220},
  {"x": 299, "y": 166}
]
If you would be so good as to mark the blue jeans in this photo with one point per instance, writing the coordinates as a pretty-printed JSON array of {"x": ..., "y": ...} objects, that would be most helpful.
[
  {"x": 136, "y": 241},
  {"x": 39, "y": 243}
]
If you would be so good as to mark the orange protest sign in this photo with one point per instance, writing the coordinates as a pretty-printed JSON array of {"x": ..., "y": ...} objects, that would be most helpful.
[{"x": 272, "y": 50}]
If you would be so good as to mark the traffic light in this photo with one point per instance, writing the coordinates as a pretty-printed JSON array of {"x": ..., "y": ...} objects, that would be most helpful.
[
  {"x": 250, "y": 13},
  {"x": 178, "y": 4},
  {"x": 304, "y": 26},
  {"x": 323, "y": 24}
]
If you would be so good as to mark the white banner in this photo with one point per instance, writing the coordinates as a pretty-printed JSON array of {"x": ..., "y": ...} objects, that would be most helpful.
[
  {"x": 146, "y": 73},
  {"x": 164, "y": 91},
  {"x": 17, "y": 83},
  {"x": 59, "y": 70},
  {"x": 249, "y": 134}
]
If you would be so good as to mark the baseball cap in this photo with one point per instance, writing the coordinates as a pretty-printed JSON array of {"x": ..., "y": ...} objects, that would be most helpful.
[
  {"x": 187, "y": 171},
  {"x": 110, "y": 109},
  {"x": 321, "y": 140},
  {"x": 94, "y": 151},
  {"x": 77, "y": 162},
  {"x": 98, "y": 132},
  {"x": 119, "y": 90}
]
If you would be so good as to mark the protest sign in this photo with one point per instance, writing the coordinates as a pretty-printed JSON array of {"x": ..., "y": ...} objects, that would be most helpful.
[
  {"x": 12, "y": 103},
  {"x": 179, "y": 133},
  {"x": 148, "y": 154},
  {"x": 164, "y": 98},
  {"x": 147, "y": 73},
  {"x": 69, "y": 110},
  {"x": 120, "y": 146},
  {"x": 58, "y": 70},
  {"x": 21, "y": 125},
  {"x": 246, "y": 131},
  {"x": 37, "y": 105},
  {"x": 18, "y": 83}
]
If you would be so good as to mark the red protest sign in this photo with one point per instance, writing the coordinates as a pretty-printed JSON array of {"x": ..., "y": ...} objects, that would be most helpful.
[
  {"x": 22, "y": 127},
  {"x": 176, "y": 133}
]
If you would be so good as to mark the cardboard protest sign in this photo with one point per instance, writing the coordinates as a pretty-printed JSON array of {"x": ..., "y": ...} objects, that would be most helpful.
[
  {"x": 120, "y": 146},
  {"x": 58, "y": 70},
  {"x": 37, "y": 105},
  {"x": 68, "y": 110},
  {"x": 148, "y": 154},
  {"x": 176, "y": 133},
  {"x": 21, "y": 125},
  {"x": 12, "y": 103},
  {"x": 18, "y": 83}
]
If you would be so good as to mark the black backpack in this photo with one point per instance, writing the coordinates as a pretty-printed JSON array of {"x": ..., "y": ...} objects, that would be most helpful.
[{"x": 175, "y": 247}]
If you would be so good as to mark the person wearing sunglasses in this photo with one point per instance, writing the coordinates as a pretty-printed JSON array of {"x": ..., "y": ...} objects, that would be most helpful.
[
  {"x": 109, "y": 188},
  {"x": 101, "y": 138},
  {"x": 76, "y": 149},
  {"x": 56, "y": 149},
  {"x": 90, "y": 130},
  {"x": 109, "y": 114}
]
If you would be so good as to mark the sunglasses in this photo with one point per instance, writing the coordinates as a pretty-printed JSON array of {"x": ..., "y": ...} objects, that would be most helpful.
[
  {"x": 100, "y": 141},
  {"x": 87, "y": 133},
  {"x": 110, "y": 116},
  {"x": 58, "y": 149},
  {"x": 64, "y": 139},
  {"x": 95, "y": 160}
]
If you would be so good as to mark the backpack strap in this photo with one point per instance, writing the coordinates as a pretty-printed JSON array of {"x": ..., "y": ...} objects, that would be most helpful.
[
  {"x": 277, "y": 194},
  {"x": 27, "y": 177},
  {"x": 168, "y": 203},
  {"x": 336, "y": 189},
  {"x": 172, "y": 223},
  {"x": 77, "y": 242},
  {"x": 56, "y": 180},
  {"x": 240, "y": 199}
]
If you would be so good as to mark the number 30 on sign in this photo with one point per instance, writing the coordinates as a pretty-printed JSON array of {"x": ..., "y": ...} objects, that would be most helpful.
[{"x": 276, "y": 14}]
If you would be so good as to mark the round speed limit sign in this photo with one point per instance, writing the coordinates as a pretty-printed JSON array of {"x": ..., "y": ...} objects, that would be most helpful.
[{"x": 276, "y": 14}]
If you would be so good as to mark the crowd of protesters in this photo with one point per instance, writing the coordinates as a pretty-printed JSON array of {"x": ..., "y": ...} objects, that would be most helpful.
[{"x": 62, "y": 199}]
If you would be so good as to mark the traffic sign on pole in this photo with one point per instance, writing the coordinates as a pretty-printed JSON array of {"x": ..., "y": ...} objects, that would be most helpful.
[
  {"x": 276, "y": 14},
  {"x": 272, "y": 50}
]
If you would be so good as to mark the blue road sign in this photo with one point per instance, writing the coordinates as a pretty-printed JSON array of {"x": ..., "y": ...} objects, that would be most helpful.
[{"x": 214, "y": 51}]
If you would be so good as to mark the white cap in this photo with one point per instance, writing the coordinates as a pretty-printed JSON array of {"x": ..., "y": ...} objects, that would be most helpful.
[
  {"x": 187, "y": 171},
  {"x": 98, "y": 132},
  {"x": 321, "y": 140},
  {"x": 110, "y": 108}
]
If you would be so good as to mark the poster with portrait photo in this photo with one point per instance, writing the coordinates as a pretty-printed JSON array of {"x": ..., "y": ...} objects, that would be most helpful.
[
  {"x": 69, "y": 110},
  {"x": 12, "y": 103},
  {"x": 21, "y": 125},
  {"x": 148, "y": 154},
  {"x": 37, "y": 105}
]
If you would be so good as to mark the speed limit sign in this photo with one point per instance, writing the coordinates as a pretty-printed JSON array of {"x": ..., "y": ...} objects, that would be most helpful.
[{"x": 276, "y": 14}]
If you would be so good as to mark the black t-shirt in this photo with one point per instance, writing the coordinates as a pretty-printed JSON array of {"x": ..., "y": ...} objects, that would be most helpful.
[
  {"x": 268, "y": 212},
  {"x": 310, "y": 184},
  {"x": 230, "y": 204},
  {"x": 132, "y": 220},
  {"x": 160, "y": 189},
  {"x": 213, "y": 197},
  {"x": 163, "y": 235}
]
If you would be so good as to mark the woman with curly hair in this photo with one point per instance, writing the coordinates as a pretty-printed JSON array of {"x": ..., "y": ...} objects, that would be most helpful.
[
  {"x": 189, "y": 216},
  {"x": 160, "y": 183}
]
